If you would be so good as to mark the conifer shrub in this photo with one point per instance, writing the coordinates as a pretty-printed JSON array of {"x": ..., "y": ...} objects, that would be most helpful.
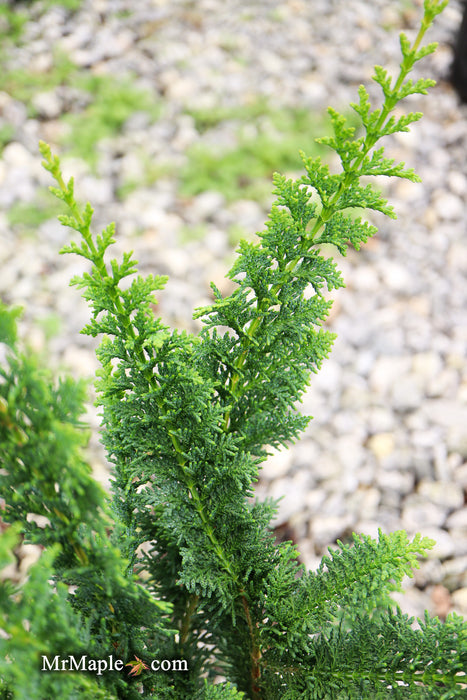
[{"x": 174, "y": 587}]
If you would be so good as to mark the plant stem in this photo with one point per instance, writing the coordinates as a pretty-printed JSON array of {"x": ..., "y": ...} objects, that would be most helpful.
[
  {"x": 255, "y": 654},
  {"x": 192, "y": 604}
]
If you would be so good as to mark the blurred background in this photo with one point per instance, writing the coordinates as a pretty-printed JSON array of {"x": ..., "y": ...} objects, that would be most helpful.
[{"x": 172, "y": 116}]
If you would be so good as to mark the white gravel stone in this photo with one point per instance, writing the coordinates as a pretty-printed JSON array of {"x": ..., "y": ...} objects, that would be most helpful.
[
  {"x": 247, "y": 215},
  {"x": 457, "y": 183},
  {"x": 3, "y": 176},
  {"x": 457, "y": 440},
  {"x": 449, "y": 206},
  {"x": 292, "y": 492},
  {"x": 399, "y": 482},
  {"x": 12, "y": 111},
  {"x": 380, "y": 420},
  {"x": 368, "y": 527},
  {"x": 382, "y": 444},
  {"x": 395, "y": 276},
  {"x": 365, "y": 278},
  {"x": 411, "y": 603},
  {"x": 15, "y": 155},
  {"x": 406, "y": 394},
  {"x": 328, "y": 529},
  {"x": 79, "y": 361},
  {"x": 277, "y": 465},
  {"x": 329, "y": 378},
  {"x": 445, "y": 545},
  {"x": 454, "y": 572},
  {"x": 350, "y": 453},
  {"x": 420, "y": 513},
  {"x": 445, "y": 413},
  {"x": 445, "y": 494},
  {"x": 30, "y": 554},
  {"x": 364, "y": 503},
  {"x": 459, "y": 598},
  {"x": 206, "y": 205},
  {"x": 48, "y": 104},
  {"x": 426, "y": 365},
  {"x": 326, "y": 467},
  {"x": 459, "y": 536},
  {"x": 335, "y": 501},
  {"x": 98, "y": 190},
  {"x": 460, "y": 475},
  {"x": 387, "y": 371},
  {"x": 426, "y": 438},
  {"x": 446, "y": 384},
  {"x": 314, "y": 500}
]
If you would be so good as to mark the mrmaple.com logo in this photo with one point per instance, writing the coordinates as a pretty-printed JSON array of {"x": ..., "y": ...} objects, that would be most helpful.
[{"x": 100, "y": 666}]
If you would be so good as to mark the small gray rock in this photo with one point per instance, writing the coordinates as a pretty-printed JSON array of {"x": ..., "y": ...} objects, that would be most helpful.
[
  {"x": 406, "y": 394},
  {"x": 419, "y": 513},
  {"x": 445, "y": 545},
  {"x": 444, "y": 494},
  {"x": 327, "y": 529}
]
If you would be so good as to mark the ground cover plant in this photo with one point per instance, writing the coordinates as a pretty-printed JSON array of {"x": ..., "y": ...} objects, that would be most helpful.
[
  {"x": 174, "y": 587},
  {"x": 108, "y": 102},
  {"x": 112, "y": 102},
  {"x": 268, "y": 139},
  {"x": 99, "y": 105},
  {"x": 97, "y": 108}
]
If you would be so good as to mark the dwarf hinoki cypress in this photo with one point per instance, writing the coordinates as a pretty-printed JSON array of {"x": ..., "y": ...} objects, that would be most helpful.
[{"x": 181, "y": 564}]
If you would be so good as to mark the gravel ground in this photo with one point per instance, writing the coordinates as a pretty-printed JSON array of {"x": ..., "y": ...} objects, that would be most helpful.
[{"x": 387, "y": 447}]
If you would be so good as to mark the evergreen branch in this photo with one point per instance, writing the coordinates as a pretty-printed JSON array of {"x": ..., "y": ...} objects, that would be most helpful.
[
  {"x": 143, "y": 350},
  {"x": 273, "y": 275},
  {"x": 52, "y": 500}
]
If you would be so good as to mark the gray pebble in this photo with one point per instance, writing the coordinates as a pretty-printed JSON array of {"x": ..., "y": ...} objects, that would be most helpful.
[
  {"x": 399, "y": 482},
  {"x": 459, "y": 598},
  {"x": 48, "y": 104},
  {"x": 445, "y": 494},
  {"x": 406, "y": 394},
  {"x": 445, "y": 545},
  {"x": 328, "y": 529},
  {"x": 419, "y": 513}
]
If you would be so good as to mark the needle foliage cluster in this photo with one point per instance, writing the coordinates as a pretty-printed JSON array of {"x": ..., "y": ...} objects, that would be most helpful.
[{"x": 180, "y": 564}]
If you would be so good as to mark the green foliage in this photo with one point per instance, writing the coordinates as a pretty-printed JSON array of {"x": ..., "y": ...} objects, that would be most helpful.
[
  {"x": 54, "y": 502},
  {"x": 268, "y": 138},
  {"x": 110, "y": 101},
  {"x": 50, "y": 617},
  {"x": 11, "y": 23},
  {"x": 67, "y": 4},
  {"x": 149, "y": 172},
  {"x": 182, "y": 563},
  {"x": 6, "y": 135},
  {"x": 26, "y": 217},
  {"x": 23, "y": 84},
  {"x": 113, "y": 102}
]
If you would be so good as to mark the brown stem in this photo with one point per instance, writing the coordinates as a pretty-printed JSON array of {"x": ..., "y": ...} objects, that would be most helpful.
[
  {"x": 255, "y": 652},
  {"x": 192, "y": 603}
]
